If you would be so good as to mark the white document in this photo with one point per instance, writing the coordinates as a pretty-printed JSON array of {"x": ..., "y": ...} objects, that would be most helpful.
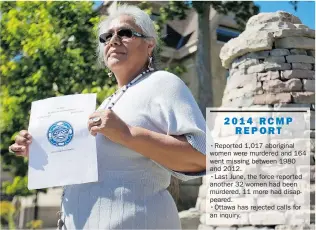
[{"x": 62, "y": 152}]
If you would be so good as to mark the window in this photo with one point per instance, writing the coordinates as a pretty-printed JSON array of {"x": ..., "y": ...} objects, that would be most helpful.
[
  {"x": 174, "y": 39},
  {"x": 224, "y": 34}
]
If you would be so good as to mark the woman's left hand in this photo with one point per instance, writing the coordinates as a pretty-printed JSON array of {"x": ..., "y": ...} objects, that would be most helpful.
[{"x": 108, "y": 124}]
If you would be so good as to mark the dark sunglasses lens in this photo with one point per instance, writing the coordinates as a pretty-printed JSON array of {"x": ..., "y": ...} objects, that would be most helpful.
[
  {"x": 125, "y": 33},
  {"x": 101, "y": 39},
  {"x": 105, "y": 37}
]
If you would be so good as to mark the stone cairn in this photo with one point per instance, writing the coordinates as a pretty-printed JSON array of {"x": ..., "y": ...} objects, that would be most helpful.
[{"x": 271, "y": 64}]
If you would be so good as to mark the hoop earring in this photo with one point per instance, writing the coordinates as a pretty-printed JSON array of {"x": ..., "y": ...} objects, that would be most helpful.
[{"x": 150, "y": 63}]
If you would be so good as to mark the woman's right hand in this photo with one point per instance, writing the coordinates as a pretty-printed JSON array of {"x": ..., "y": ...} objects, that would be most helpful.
[{"x": 22, "y": 143}]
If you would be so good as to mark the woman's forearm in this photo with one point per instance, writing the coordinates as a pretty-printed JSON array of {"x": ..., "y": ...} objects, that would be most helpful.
[{"x": 173, "y": 152}]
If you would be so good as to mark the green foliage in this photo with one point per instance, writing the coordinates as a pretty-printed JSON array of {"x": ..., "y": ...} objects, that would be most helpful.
[
  {"x": 171, "y": 11},
  {"x": 177, "y": 70},
  {"x": 18, "y": 186},
  {"x": 47, "y": 50},
  {"x": 8, "y": 213},
  {"x": 34, "y": 224},
  {"x": 242, "y": 10}
]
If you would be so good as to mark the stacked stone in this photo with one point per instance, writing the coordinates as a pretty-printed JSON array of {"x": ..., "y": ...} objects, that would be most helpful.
[
  {"x": 271, "y": 64},
  {"x": 280, "y": 75}
]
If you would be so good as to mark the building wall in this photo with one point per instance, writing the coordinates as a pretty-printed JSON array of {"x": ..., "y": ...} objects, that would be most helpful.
[
  {"x": 189, "y": 190},
  {"x": 218, "y": 72}
]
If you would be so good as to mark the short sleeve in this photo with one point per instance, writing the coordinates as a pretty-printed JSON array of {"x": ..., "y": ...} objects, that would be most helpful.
[{"x": 177, "y": 113}]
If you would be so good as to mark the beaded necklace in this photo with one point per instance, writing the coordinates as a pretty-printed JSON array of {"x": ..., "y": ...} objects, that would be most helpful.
[{"x": 122, "y": 90}]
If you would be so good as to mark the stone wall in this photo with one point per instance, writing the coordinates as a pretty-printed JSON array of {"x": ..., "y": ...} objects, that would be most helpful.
[{"x": 271, "y": 64}]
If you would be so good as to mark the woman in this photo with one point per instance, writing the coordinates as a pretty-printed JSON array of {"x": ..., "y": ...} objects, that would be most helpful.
[{"x": 150, "y": 129}]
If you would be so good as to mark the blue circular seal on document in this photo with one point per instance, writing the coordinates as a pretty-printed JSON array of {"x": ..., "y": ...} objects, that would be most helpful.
[{"x": 60, "y": 133}]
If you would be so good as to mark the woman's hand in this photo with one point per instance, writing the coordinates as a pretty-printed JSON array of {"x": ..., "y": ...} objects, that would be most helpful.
[
  {"x": 22, "y": 143},
  {"x": 108, "y": 124}
]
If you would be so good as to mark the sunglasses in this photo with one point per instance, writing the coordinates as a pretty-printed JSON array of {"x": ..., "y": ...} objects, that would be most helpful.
[{"x": 122, "y": 33}]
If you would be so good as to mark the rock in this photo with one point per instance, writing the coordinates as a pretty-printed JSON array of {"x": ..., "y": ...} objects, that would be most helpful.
[
  {"x": 271, "y": 200},
  {"x": 298, "y": 52},
  {"x": 256, "y": 68},
  {"x": 267, "y": 218},
  {"x": 312, "y": 126},
  {"x": 246, "y": 90},
  {"x": 294, "y": 227},
  {"x": 248, "y": 41},
  {"x": 255, "y": 228},
  {"x": 312, "y": 144},
  {"x": 300, "y": 58},
  {"x": 311, "y": 133},
  {"x": 205, "y": 227},
  {"x": 248, "y": 228},
  {"x": 293, "y": 85},
  {"x": 202, "y": 191},
  {"x": 260, "y": 35},
  {"x": 309, "y": 85},
  {"x": 279, "y": 52},
  {"x": 307, "y": 170},
  {"x": 239, "y": 102},
  {"x": 203, "y": 218},
  {"x": 275, "y": 59},
  {"x": 203, "y": 205},
  {"x": 238, "y": 80},
  {"x": 311, "y": 53},
  {"x": 303, "y": 97},
  {"x": 295, "y": 42},
  {"x": 305, "y": 74},
  {"x": 272, "y": 98},
  {"x": 244, "y": 62},
  {"x": 248, "y": 63},
  {"x": 268, "y": 66},
  {"x": 198, "y": 203},
  {"x": 237, "y": 62},
  {"x": 226, "y": 228},
  {"x": 284, "y": 29},
  {"x": 277, "y": 170},
  {"x": 303, "y": 66},
  {"x": 190, "y": 219},
  {"x": 298, "y": 106},
  {"x": 276, "y": 66},
  {"x": 278, "y": 86},
  {"x": 265, "y": 18},
  {"x": 301, "y": 26},
  {"x": 270, "y": 75},
  {"x": 232, "y": 71},
  {"x": 283, "y": 33},
  {"x": 258, "y": 54}
]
